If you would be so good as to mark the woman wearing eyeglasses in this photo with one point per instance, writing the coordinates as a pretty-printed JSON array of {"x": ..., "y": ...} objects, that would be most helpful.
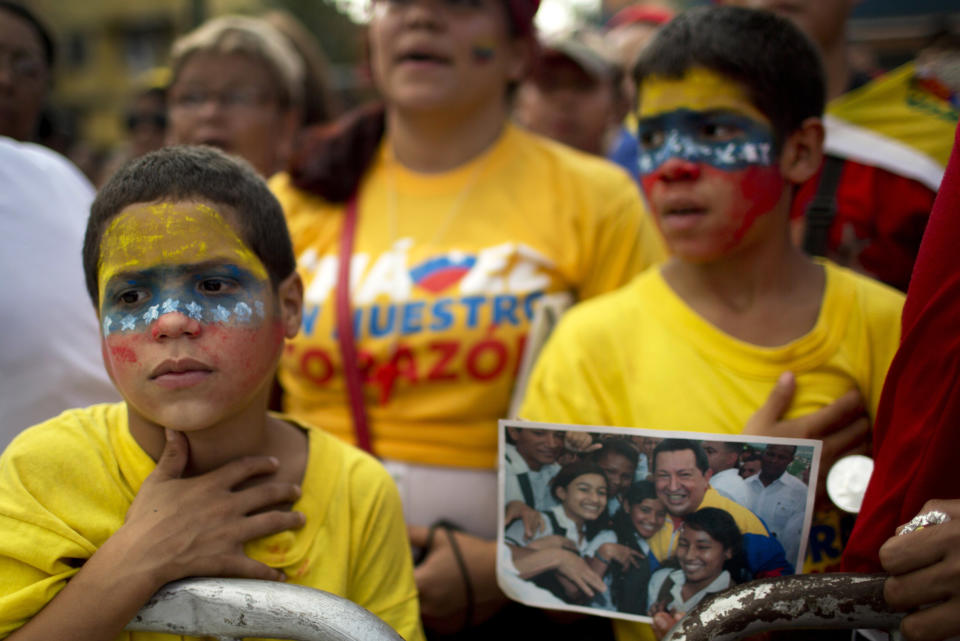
[{"x": 237, "y": 85}]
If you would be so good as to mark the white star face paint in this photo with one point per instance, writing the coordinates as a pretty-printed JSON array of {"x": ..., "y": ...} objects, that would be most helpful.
[
  {"x": 708, "y": 162},
  {"x": 178, "y": 290},
  {"x": 146, "y": 276}
]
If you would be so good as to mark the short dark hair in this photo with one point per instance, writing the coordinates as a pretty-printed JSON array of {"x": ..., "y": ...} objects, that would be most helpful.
[
  {"x": 616, "y": 446},
  {"x": 678, "y": 445},
  {"x": 640, "y": 491},
  {"x": 46, "y": 40},
  {"x": 194, "y": 173},
  {"x": 732, "y": 446},
  {"x": 569, "y": 472},
  {"x": 719, "y": 525},
  {"x": 778, "y": 66}
]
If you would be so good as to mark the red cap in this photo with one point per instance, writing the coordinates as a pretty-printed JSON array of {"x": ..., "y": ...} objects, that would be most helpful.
[{"x": 640, "y": 14}]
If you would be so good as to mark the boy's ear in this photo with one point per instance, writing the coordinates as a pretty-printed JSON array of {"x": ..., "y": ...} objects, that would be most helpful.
[
  {"x": 802, "y": 152},
  {"x": 290, "y": 302}
]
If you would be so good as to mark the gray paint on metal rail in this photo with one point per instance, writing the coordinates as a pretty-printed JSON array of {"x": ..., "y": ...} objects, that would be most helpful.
[
  {"x": 237, "y": 608},
  {"x": 813, "y": 601}
]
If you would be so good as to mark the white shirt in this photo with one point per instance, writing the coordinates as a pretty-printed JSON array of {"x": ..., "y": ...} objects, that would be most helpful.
[
  {"x": 778, "y": 504},
  {"x": 643, "y": 468},
  {"x": 731, "y": 485},
  {"x": 50, "y": 352},
  {"x": 676, "y": 602},
  {"x": 518, "y": 589},
  {"x": 566, "y": 527},
  {"x": 613, "y": 504},
  {"x": 539, "y": 480}
]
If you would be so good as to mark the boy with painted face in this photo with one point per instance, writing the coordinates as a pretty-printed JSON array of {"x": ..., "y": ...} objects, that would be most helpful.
[
  {"x": 729, "y": 121},
  {"x": 190, "y": 267}
]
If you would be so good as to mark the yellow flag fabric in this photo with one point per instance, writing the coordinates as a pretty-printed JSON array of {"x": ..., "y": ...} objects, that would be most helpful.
[{"x": 907, "y": 104}]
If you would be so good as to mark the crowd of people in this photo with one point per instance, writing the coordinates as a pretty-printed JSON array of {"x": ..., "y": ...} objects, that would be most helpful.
[{"x": 374, "y": 278}]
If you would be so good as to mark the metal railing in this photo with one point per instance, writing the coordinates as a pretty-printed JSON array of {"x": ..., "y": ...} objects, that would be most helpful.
[
  {"x": 231, "y": 609},
  {"x": 811, "y": 601}
]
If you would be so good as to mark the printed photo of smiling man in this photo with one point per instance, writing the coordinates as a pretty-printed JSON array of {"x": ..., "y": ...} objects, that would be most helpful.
[{"x": 581, "y": 532}]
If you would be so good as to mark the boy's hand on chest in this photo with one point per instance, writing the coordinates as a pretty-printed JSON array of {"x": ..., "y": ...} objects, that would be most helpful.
[{"x": 179, "y": 527}]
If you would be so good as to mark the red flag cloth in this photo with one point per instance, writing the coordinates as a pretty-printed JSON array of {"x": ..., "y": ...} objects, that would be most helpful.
[{"x": 917, "y": 431}]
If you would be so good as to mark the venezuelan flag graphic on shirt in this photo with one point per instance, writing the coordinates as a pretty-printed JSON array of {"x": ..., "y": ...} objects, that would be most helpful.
[{"x": 911, "y": 107}]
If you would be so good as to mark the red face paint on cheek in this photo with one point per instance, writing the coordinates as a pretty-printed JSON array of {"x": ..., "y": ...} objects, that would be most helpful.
[
  {"x": 648, "y": 181},
  {"x": 122, "y": 354},
  {"x": 249, "y": 353},
  {"x": 124, "y": 348},
  {"x": 758, "y": 190},
  {"x": 730, "y": 202}
]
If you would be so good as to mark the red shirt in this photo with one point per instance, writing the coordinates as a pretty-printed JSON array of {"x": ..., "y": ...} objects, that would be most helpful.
[
  {"x": 879, "y": 221},
  {"x": 917, "y": 432}
]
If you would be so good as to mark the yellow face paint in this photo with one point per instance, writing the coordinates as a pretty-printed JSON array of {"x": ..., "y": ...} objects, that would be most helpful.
[
  {"x": 145, "y": 236},
  {"x": 698, "y": 90}
]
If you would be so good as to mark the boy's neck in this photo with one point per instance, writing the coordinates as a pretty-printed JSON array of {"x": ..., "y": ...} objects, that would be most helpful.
[
  {"x": 252, "y": 432},
  {"x": 429, "y": 142},
  {"x": 766, "y": 294}
]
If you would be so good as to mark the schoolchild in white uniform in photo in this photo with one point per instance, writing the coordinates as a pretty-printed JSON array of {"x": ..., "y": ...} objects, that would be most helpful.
[
  {"x": 709, "y": 555},
  {"x": 531, "y": 462}
]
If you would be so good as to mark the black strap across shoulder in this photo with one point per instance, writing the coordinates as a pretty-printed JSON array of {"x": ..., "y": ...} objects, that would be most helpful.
[
  {"x": 823, "y": 208},
  {"x": 526, "y": 488},
  {"x": 555, "y": 524}
]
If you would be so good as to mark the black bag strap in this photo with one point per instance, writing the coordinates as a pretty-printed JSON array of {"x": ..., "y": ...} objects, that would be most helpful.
[
  {"x": 526, "y": 488},
  {"x": 554, "y": 523},
  {"x": 823, "y": 207}
]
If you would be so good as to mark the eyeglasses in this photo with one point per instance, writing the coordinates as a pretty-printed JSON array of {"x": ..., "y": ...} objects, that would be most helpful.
[
  {"x": 233, "y": 98},
  {"x": 23, "y": 65}
]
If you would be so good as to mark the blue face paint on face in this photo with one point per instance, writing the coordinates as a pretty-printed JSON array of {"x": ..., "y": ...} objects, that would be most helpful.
[
  {"x": 208, "y": 293},
  {"x": 722, "y": 139}
]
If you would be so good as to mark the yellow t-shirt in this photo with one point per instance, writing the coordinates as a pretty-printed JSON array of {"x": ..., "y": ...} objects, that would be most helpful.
[
  {"x": 66, "y": 485},
  {"x": 640, "y": 357},
  {"x": 445, "y": 272}
]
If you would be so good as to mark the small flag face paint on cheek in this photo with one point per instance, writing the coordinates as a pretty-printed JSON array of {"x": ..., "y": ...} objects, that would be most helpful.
[{"x": 483, "y": 51}]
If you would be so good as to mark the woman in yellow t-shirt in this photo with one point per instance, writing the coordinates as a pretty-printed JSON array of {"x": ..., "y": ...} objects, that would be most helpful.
[{"x": 452, "y": 224}]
